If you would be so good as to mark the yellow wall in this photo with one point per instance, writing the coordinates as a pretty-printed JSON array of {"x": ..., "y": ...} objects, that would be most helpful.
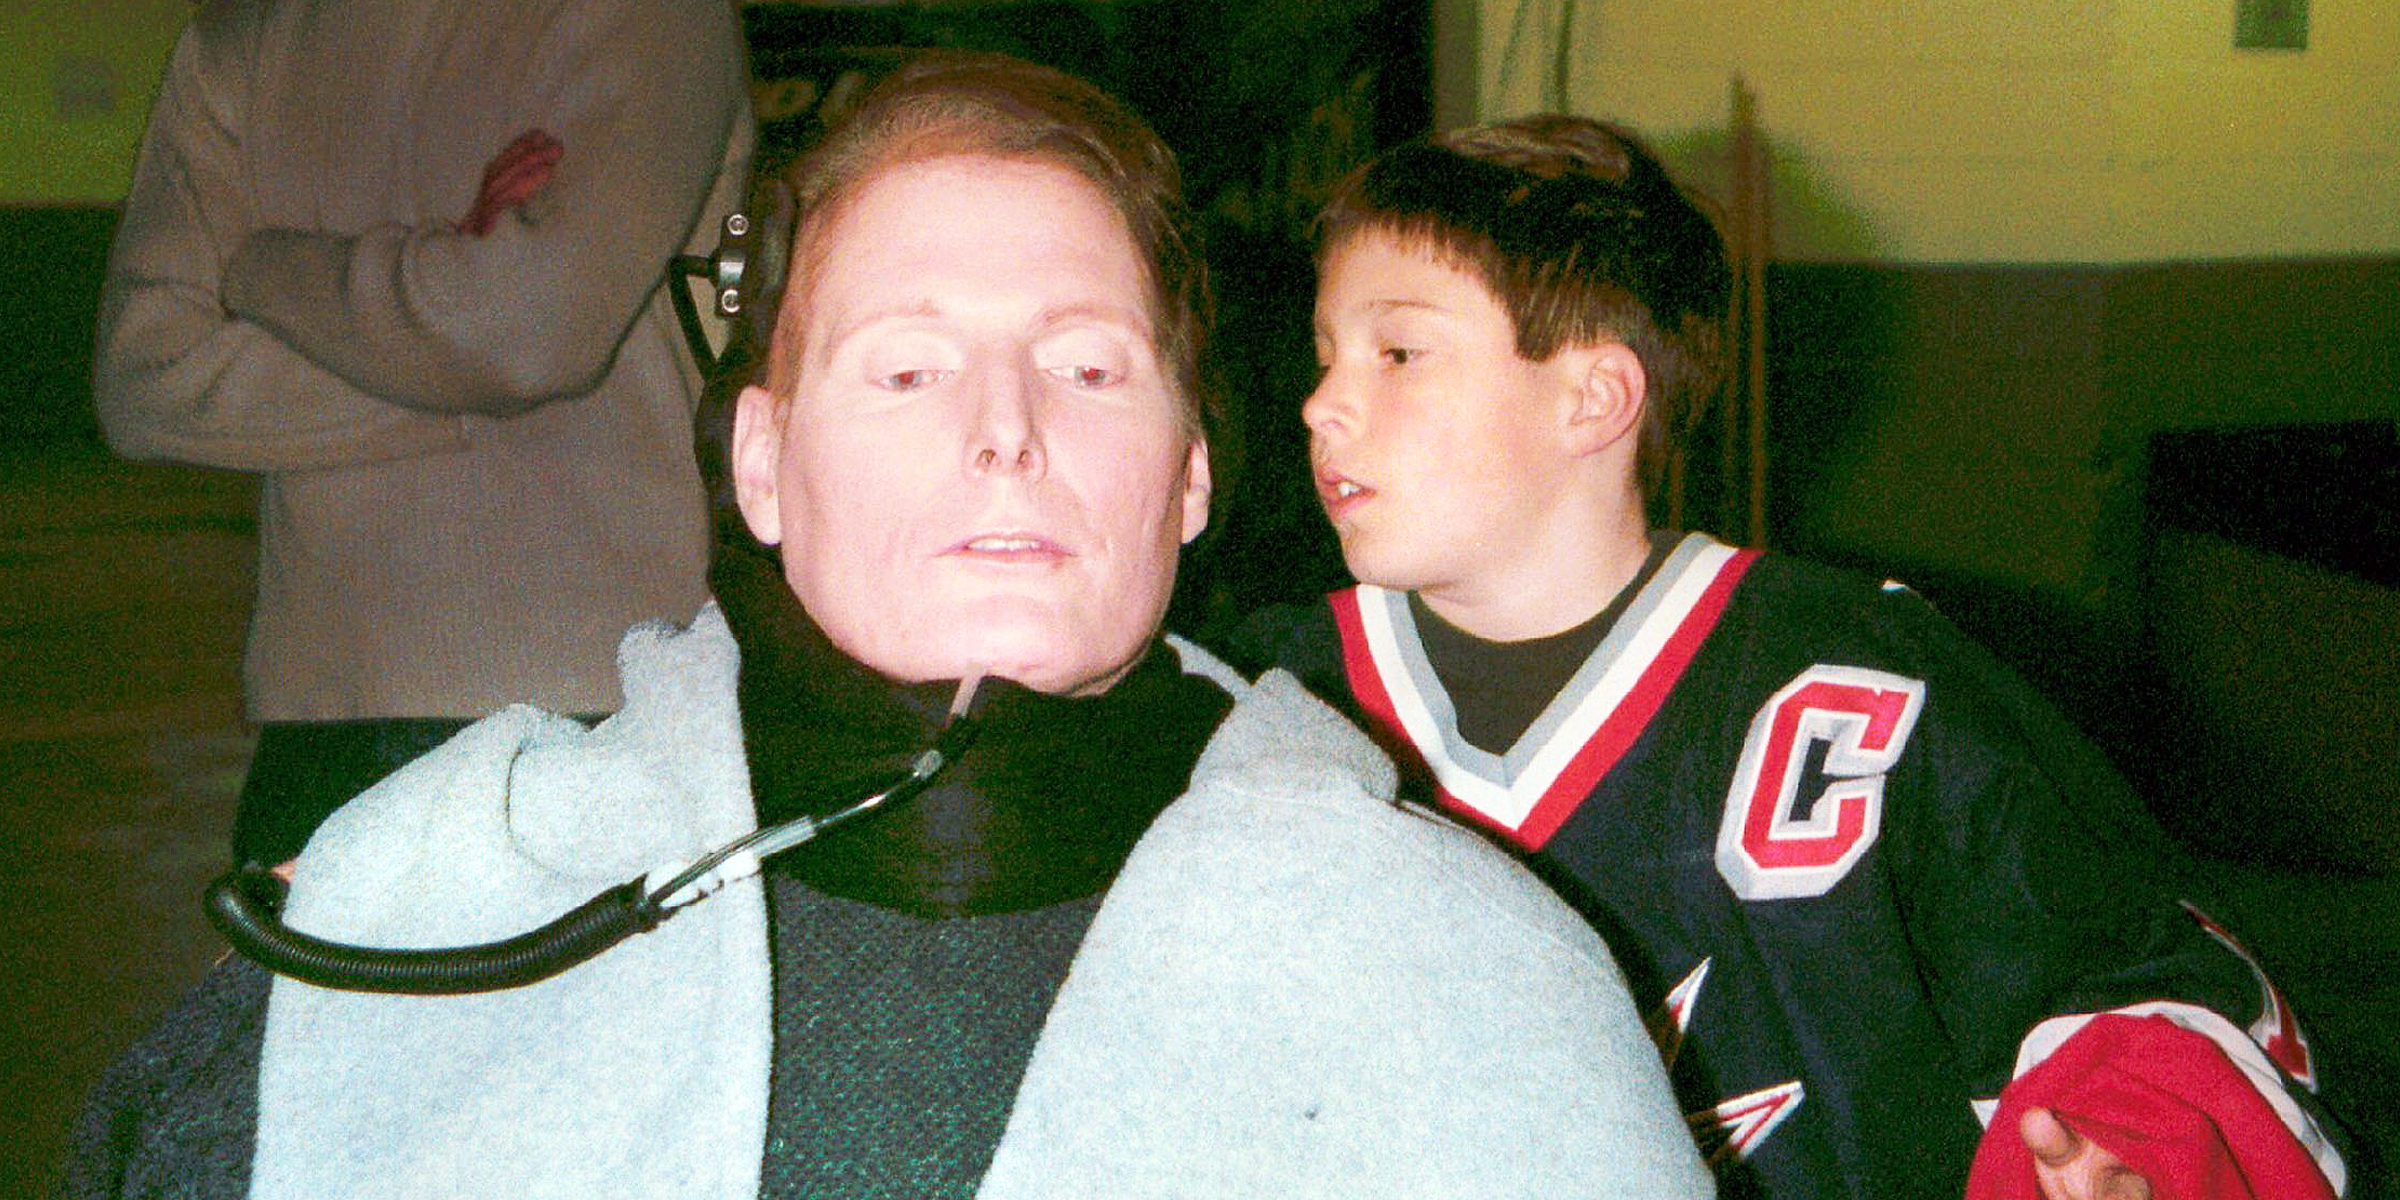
[
  {"x": 1909, "y": 130},
  {"x": 2030, "y": 131},
  {"x": 76, "y": 78}
]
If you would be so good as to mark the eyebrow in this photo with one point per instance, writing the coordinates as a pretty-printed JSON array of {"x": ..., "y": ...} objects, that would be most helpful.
[
  {"x": 844, "y": 331},
  {"x": 1379, "y": 307},
  {"x": 1132, "y": 320}
]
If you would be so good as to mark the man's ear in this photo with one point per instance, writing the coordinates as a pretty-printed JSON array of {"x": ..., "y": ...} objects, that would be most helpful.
[
  {"x": 1197, "y": 489},
  {"x": 757, "y": 462},
  {"x": 1609, "y": 394}
]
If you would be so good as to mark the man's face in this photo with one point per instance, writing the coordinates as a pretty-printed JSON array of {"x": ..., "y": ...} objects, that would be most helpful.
[
  {"x": 984, "y": 468},
  {"x": 1436, "y": 446}
]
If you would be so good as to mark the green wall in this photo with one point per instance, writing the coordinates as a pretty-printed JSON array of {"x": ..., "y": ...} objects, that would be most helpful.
[
  {"x": 76, "y": 78},
  {"x": 2054, "y": 226},
  {"x": 2028, "y": 131}
]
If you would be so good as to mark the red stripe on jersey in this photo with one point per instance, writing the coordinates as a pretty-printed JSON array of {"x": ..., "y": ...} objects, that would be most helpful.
[
  {"x": 1366, "y": 684},
  {"x": 2276, "y": 1031},
  {"x": 1616, "y": 734},
  {"x": 1599, "y": 753}
]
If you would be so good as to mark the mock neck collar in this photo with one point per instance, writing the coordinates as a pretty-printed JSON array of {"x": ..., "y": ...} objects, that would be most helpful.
[{"x": 1043, "y": 806}]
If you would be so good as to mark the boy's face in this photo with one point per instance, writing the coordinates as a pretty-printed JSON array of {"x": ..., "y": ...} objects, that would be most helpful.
[{"x": 1439, "y": 451}]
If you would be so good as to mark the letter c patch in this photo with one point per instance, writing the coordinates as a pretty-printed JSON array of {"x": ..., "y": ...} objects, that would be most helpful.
[{"x": 1767, "y": 848}]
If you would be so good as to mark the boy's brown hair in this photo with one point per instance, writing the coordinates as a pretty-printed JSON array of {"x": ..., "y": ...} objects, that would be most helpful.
[{"x": 1582, "y": 237}]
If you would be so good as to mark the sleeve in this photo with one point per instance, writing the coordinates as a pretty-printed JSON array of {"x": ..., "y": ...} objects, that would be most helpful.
[
  {"x": 2168, "y": 1102},
  {"x": 644, "y": 97},
  {"x": 176, "y": 1114},
  {"x": 177, "y": 377},
  {"x": 2044, "y": 911}
]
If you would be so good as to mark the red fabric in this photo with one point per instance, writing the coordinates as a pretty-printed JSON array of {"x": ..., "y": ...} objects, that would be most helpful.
[{"x": 2164, "y": 1099}]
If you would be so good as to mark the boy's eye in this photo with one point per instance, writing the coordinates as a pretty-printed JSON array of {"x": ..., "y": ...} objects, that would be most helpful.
[{"x": 1400, "y": 356}]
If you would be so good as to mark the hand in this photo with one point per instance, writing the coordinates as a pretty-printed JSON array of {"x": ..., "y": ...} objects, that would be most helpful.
[
  {"x": 511, "y": 178},
  {"x": 2070, "y": 1166}
]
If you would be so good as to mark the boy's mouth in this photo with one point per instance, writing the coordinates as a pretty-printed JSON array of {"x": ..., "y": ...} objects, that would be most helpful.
[{"x": 1339, "y": 494}]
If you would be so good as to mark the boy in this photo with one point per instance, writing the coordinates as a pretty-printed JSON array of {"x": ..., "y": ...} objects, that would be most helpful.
[{"x": 1894, "y": 916}]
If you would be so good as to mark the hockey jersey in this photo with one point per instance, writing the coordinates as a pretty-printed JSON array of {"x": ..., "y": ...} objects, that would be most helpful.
[{"x": 1862, "y": 877}]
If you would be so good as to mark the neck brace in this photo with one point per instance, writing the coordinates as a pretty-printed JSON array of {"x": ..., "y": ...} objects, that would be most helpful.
[{"x": 1043, "y": 807}]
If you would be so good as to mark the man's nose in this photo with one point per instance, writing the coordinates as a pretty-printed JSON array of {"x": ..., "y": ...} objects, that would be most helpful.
[{"x": 1004, "y": 436}]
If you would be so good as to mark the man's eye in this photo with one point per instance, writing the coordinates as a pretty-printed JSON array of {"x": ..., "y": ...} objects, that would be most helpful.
[
  {"x": 1084, "y": 376},
  {"x": 913, "y": 379},
  {"x": 1400, "y": 356}
]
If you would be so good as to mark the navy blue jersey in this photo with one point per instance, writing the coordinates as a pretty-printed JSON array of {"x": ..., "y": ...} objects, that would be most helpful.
[{"x": 1860, "y": 874}]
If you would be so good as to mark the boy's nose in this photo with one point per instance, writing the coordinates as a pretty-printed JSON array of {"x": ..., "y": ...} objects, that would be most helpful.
[{"x": 1327, "y": 405}]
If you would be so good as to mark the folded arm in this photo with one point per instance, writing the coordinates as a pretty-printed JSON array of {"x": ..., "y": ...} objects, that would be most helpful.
[
  {"x": 436, "y": 317},
  {"x": 177, "y": 377}
]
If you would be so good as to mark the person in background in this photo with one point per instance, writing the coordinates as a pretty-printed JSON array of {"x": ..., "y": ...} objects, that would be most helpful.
[
  {"x": 1155, "y": 932},
  {"x": 403, "y": 260},
  {"x": 1899, "y": 929}
]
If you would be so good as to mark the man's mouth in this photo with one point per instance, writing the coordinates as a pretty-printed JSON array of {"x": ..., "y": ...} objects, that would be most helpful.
[{"x": 1011, "y": 547}]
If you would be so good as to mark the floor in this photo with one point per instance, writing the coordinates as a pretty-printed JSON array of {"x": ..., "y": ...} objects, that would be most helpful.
[{"x": 123, "y": 592}]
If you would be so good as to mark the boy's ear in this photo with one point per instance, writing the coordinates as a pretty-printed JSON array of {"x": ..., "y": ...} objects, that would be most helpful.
[
  {"x": 757, "y": 462},
  {"x": 1609, "y": 397}
]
